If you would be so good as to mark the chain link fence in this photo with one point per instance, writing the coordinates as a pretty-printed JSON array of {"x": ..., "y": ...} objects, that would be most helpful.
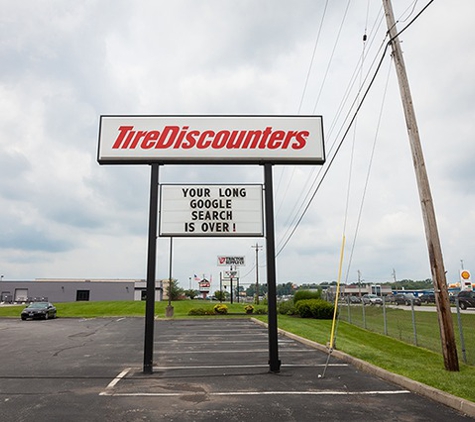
[{"x": 416, "y": 325}]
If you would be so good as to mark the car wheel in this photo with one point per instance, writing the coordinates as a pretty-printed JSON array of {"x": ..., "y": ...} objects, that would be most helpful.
[
  {"x": 23, "y": 318},
  {"x": 463, "y": 305},
  {"x": 46, "y": 316}
]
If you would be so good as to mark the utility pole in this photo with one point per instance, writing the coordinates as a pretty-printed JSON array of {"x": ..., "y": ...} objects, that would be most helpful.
[
  {"x": 447, "y": 337},
  {"x": 257, "y": 248}
]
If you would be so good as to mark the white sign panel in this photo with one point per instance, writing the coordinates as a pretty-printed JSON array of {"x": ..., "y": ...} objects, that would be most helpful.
[
  {"x": 211, "y": 139},
  {"x": 231, "y": 260},
  {"x": 211, "y": 210}
]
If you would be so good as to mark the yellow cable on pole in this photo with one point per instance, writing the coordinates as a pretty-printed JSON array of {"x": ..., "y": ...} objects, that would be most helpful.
[{"x": 332, "y": 335}]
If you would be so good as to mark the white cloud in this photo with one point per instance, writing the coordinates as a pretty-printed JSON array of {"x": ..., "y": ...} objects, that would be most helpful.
[{"x": 64, "y": 64}]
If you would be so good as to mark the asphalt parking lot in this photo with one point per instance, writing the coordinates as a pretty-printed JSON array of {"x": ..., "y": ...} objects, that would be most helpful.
[{"x": 204, "y": 370}]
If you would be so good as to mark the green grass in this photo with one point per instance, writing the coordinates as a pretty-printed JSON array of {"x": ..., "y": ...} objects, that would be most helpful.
[
  {"x": 394, "y": 355},
  {"x": 125, "y": 308},
  {"x": 399, "y": 326}
]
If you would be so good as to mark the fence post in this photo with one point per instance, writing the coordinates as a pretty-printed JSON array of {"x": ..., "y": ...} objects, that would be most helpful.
[
  {"x": 364, "y": 315},
  {"x": 462, "y": 340},
  {"x": 349, "y": 312},
  {"x": 414, "y": 321}
]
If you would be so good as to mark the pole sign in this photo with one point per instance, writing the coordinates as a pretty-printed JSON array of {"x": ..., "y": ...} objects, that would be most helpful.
[
  {"x": 210, "y": 139},
  {"x": 231, "y": 260},
  {"x": 211, "y": 210}
]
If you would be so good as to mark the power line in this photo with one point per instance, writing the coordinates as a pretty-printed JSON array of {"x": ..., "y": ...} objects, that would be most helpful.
[{"x": 325, "y": 172}]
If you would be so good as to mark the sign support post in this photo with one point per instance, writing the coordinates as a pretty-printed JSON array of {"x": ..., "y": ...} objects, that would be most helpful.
[
  {"x": 151, "y": 266},
  {"x": 274, "y": 362},
  {"x": 191, "y": 139}
]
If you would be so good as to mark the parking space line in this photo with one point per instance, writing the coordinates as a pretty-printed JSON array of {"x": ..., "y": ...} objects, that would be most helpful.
[
  {"x": 208, "y": 351},
  {"x": 164, "y": 368},
  {"x": 264, "y": 393},
  {"x": 113, "y": 383}
]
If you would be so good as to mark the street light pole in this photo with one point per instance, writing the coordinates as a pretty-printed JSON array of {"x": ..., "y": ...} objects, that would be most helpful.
[
  {"x": 169, "y": 310},
  {"x": 257, "y": 247}
]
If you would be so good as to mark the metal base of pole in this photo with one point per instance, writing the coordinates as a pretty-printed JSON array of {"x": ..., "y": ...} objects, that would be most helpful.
[{"x": 169, "y": 311}]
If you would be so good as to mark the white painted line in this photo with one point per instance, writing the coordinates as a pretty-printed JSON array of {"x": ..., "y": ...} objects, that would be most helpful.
[
  {"x": 184, "y": 367},
  {"x": 261, "y": 393},
  {"x": 113, "y": 383}
]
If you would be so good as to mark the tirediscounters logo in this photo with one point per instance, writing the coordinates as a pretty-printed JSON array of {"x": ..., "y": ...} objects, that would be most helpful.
[{"x": 211, "y": 139}]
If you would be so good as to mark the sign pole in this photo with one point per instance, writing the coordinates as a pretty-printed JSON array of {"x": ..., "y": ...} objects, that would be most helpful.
[
  {"x": 152, "y": 258},
  {"x": 274, "y": 362}
]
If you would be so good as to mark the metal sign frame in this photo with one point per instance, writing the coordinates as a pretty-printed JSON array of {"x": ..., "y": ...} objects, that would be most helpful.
[
  {"x": 211, "y": 210},
  {"x": 264, "y": 137}
]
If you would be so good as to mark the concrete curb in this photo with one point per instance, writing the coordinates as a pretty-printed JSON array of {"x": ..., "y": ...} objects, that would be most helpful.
[{"x": 465, "y": 406}]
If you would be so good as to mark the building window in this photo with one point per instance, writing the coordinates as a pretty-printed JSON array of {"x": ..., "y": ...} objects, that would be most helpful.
[{"x": 82, "y": 295}]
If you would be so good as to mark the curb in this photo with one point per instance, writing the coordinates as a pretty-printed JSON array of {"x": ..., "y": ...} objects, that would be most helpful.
[{"x": 462, "y": 405}]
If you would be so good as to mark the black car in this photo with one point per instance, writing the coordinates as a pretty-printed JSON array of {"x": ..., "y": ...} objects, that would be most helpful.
[
  {"x": 466, "y": 299},
  {"x": 353, "y": 299},
  {"x": 427, "y": 298},
  {"x": 406, "y": 299},
  {"x": 38, "y": 310}
]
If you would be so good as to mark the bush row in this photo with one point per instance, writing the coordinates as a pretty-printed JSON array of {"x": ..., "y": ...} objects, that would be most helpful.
[
  {"x": 307, "y": 308},
  {"x": 222, "y": 309}
]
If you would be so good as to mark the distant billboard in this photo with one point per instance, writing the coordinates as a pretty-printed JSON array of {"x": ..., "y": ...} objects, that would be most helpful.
[{"x": 231, "y": 260}]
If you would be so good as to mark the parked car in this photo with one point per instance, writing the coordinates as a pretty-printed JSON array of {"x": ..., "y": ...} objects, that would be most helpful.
[
  {"x": 389, "y": 298},
  {"x": 466, "y": 299},
  {"x": 372, "y": 299},
  {"x": 427, "y": 298},
  {"x": 406, "y": 299},
  {"x": 353, "y": 299},
  {"x": 39, "y": 310}
]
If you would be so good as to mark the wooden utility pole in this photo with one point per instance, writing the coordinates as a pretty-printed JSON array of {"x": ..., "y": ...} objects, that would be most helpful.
[{"x": 449, "y": 348}]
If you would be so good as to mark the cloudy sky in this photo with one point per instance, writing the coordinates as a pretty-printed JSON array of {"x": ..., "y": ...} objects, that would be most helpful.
[{"x": 63, "y": 64}]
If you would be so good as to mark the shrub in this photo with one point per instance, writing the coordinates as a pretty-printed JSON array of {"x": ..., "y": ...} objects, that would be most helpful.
[
  {"x": 307, "y": 294},
  {"x": 220, "y": 309},
  {"x": 261, "y": 311},
  {"x": 315, "y": 308},
  {"x": 286, "y": 308},
  {"x": 249, "y": 309}
]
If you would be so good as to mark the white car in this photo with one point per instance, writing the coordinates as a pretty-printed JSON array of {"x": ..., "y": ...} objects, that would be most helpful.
[{"x": 372, "y": 299}]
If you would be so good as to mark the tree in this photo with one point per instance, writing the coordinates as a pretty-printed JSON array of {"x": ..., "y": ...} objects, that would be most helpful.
[
  {"x": 191, "y": 293},
  {"x": 220, "y": 295},
  {"x": 175, "y": 292}
]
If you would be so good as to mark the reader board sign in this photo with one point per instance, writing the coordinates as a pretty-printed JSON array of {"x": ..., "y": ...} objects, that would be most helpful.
[
  {"x": 211, "y": 210},
  {"x": 230, "y": 274},
  {"x": 231, "y": 260},
  {"x": 210, "y": 139}
]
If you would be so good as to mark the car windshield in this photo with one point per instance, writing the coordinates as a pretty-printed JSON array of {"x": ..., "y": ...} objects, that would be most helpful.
[{"x": 38, "y": 305}]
